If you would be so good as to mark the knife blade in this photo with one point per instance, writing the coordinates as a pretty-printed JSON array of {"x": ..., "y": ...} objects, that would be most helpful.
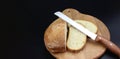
[
  {"x": 110, "y": 45},
  {"x": 76, "y": 25}
]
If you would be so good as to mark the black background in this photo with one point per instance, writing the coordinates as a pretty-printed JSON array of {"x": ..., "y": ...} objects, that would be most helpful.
[{"x": 34, "y": 16}]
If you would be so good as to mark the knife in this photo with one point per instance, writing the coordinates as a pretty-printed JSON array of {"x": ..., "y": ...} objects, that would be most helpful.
[{"x": 110, "y": 45}]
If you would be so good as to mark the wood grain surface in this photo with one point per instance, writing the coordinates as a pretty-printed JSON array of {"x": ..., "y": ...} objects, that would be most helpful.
[{"x": 92, "y": 49}]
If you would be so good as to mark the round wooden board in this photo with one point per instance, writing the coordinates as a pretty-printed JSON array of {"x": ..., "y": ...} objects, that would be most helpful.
[{"x": 92, "y": 50}]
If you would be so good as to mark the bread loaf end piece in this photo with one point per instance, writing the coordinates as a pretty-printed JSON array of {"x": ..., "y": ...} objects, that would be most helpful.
[{"x": 55, "y": 36}]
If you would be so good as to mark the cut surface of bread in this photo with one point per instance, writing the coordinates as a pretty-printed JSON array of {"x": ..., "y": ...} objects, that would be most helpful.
[
  {"x": 55, "y": 36},
  {"x": 76, "y": 39}
]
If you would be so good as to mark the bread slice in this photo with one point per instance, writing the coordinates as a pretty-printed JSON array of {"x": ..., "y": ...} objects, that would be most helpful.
[
  {"x": 89, "y": 25},
  {"x": 76, "y": 39},
  {"x": 55, "y": 36}
]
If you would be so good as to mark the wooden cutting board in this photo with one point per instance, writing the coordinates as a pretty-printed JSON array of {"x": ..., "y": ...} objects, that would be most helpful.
[{"x": 92, "y": 50}]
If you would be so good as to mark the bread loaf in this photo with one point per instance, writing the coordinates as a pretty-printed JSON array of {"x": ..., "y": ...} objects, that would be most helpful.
[{"x": 55, "y": 36}]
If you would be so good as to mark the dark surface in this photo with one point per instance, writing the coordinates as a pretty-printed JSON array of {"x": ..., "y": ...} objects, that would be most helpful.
[{"x": 34, "y": 16}]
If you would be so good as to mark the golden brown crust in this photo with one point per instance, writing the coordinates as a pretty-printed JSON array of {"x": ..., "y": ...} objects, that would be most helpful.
[{"x": 55, "y": 36}]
